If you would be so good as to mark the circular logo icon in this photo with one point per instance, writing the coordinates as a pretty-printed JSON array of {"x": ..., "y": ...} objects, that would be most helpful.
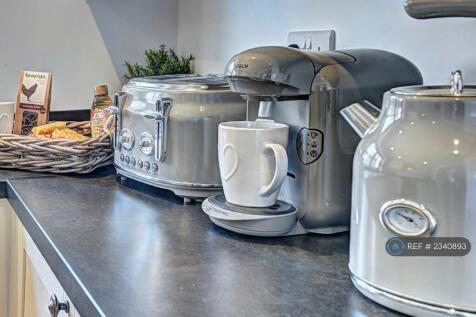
[{"x": 395, "y": 246}]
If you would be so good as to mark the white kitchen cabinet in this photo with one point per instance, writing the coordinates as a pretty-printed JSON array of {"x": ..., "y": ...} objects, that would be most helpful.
[
  {"x": 5, "y": 245},
  {"x": 36, "y": 293},
  {"x": 10, "y": 268},
  {"x": 29, "y": 280}
]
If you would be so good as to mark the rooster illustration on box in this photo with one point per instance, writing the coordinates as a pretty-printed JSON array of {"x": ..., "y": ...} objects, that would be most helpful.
[{"x": 28, "y": 92}]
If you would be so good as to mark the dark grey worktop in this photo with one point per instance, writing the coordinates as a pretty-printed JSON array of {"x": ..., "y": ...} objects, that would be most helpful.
[
  {"x": 6, "y": 174},
  {"x": 131, "y": 250}
]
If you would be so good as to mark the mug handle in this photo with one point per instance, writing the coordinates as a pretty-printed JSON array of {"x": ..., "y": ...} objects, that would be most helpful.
[
  {"x": 3, "y": 128},
  {"x": 281, "y": 169},
  {"x": 229, "y": 146}
]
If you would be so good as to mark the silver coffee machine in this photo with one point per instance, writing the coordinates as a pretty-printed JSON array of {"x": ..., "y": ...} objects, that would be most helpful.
[{"x": 306, "y": 91}]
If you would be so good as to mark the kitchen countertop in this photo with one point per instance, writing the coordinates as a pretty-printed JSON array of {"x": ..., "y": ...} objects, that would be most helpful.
[
  {"x": 7, "y": 174},
  {"x": 133, "y": 250}
]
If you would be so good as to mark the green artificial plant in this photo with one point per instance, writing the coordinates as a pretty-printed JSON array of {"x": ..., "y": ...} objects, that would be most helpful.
[{"x": 163, "y": 61}]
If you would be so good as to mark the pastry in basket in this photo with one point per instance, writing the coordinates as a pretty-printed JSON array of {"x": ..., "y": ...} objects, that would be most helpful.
[
  {"x": 46, "y": 129},
  {"x": 57, "y": 130},
  {"x": 67, "y": 133}
]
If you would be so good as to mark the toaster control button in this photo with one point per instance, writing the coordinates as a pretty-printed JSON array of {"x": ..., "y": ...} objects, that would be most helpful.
[
  {"x": 155, "y": 168},
  {"x": 146, "y": 143},
  {"x": 126, "y": 139},
  {"x": 122, "y": 157},
  {"x": 147, "y": 165},
  {"x": 133, "y": 161},
  {"x": 127, "y": 159},
  {"x": 140, "y": 164}
]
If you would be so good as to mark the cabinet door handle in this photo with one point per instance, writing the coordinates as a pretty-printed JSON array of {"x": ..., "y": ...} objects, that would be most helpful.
[{"x": 55, "y": 306}]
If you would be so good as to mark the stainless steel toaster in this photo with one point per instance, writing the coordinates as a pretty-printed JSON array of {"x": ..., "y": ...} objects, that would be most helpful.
[{"x": 167, "y": 131}]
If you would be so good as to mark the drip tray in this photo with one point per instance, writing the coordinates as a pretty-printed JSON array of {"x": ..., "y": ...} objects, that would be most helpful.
[{"x": 276, "y": 220}]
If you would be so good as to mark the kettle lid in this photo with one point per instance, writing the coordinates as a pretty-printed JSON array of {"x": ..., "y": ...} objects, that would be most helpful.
[{"x": 456, "y": 89}]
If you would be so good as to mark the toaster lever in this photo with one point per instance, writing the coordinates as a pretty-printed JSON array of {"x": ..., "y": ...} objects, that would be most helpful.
[
  {"x": 161, "y": 117},
  {"x": 116, "y": 111},
  {"x": 112, "y": 110},
  {"x": 153, "y": 115}
]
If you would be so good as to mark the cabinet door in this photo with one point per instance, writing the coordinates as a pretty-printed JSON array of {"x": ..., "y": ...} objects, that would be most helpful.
[
  {"x": 5, "y": 249},
  {"x": 39, "y": 282},
  {"x": 28, "y": 279},
  {"x": 36, "y": 293},
  {"x": 11, "y": 263}
]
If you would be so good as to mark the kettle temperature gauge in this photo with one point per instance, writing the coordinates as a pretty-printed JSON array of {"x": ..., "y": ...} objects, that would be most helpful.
[{"x": 407, "y": 218}]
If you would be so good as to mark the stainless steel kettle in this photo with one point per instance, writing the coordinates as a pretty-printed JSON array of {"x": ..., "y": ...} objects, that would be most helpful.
[{"x": 414, "y": 175}]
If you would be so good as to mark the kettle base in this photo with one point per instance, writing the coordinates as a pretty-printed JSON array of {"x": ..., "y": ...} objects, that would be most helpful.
[{"x": 405, "y": 305}]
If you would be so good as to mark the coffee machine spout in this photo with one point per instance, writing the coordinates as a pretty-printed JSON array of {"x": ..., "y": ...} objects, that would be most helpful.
[
  {"x": 361, "y": 116},
  {"x": 265, "y": 109}
]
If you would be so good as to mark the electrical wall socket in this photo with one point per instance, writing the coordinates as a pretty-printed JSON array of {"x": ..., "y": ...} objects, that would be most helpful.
[{"x": 314, "y": 41}]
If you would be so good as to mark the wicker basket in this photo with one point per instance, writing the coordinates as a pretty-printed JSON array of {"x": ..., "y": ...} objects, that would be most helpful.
[{"x": 57, "y": 156}]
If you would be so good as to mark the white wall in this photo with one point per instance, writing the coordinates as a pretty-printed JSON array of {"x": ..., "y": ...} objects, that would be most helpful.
[
  {"x": 85, "y": 42},
  {"x": 82, "y": 42},
  {"x": 214, "y": 30}
]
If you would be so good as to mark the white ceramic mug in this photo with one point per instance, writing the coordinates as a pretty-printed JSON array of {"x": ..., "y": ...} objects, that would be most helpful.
[
  {"x": 7, "y": 111},
  {"x": 253, "y": 161}
]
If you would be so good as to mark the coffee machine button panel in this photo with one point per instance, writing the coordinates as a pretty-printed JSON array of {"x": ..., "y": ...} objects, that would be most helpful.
[{"x": 310, "y": 145}]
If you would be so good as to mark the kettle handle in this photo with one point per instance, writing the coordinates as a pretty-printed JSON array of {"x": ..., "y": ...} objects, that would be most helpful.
[{"x": 429, "y": 9}]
